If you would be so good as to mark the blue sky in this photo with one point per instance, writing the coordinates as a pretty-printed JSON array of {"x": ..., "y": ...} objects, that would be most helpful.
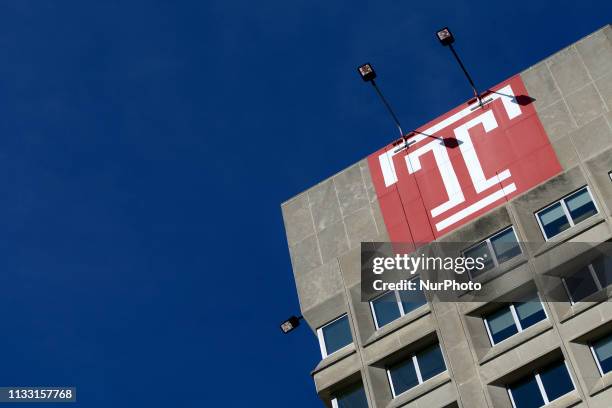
[{"x": 145, "y": 150}]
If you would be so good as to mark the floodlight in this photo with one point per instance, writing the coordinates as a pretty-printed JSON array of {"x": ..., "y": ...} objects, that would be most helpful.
[
  {"x": 367, "y": 72},
  {"x": 290, "y": 324},
  {"x": 445, "y": 36}
]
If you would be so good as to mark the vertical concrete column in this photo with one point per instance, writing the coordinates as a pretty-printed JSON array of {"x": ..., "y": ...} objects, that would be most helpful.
[{"x": 461, "y": 361}]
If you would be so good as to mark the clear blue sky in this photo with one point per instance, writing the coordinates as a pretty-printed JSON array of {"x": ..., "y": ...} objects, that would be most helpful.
[{"x": 145, "y": 148}]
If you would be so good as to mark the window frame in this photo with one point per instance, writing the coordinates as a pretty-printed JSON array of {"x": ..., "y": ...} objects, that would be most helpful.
[
  {"x": 595, "y": 278},
  {"x": 321, "y": 337},
  {"x": 417, "y": 369},
  {"x": 487, "y": 240},
  {"x": 334, "y": 401},
  {"x": 543, "y": 394},
  {"x": 597, "y": 362},
  {"x": 399, "y": 303},
  {"x": 566, "y": 211},
  {"x": 516, "y": 319}
]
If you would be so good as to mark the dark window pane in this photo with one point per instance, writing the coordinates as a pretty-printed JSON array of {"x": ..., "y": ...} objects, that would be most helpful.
[
  {"x": 501, "y": 325},
  {"x": 480, "y": 251},
  {"x": 526, "y": 393},
  {"x": 556, "y": 380},
  {"x": 603, "y": 352},
  {"x": 337, "y": 335},
  {"x": 603, "y": 269},
  {"x": 580, "y": 205},
  {"x": 403, "y": 376},
  {"x": 505, "y": 245},
  {"x": 431, "y": 362},
  {"x": 412, "y": 299},
  {"x": 530, "y": 312},
  {"x": 580, "y": 284},
  {"x": 386, "y": 309},
  {"x": 353, "y": 398},
  {"x": 553, "y": 220}
]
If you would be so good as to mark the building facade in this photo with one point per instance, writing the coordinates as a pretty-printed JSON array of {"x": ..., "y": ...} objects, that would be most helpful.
[{"x": 524, "y": 179}]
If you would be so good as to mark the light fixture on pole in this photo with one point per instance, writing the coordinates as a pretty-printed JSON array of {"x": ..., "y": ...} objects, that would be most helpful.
[
  {"x": 447, "y": 39},
  {"x": 367, "y": 73},
  {"x": 290, "y": 324}
]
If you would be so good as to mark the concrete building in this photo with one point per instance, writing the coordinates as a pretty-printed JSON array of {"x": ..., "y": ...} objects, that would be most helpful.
[{"x": 488, "y": 359}]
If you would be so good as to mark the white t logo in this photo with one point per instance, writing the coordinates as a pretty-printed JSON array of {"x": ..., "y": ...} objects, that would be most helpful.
[{"x": 449, "y": 177}]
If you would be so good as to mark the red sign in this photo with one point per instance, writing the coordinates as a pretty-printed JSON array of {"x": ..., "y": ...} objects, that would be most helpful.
[{"x": 462, "y": 164}]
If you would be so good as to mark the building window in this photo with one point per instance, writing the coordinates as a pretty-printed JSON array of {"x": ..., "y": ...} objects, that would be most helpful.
[
  {"x": 334, "y": 336},
  {"x": 495, "y": 250},
  {"x": 541, "y": 387},
  {"x": 392, "y": 305},
  {"x": 513, "y": 319},
  {"x": 589, "y": 279},
  {"x": 353, "y": 397},
  {"x": 566, "y": 213},
  {"x": 385, "y": 308},
  {"x": 416, "y": 369},
  {"x": 602, "y": 352}
]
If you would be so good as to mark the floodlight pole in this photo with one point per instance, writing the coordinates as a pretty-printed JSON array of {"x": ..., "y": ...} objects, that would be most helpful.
[
  {"x": 389, "y": 109},
  {"x": 467, "y": 74}
]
